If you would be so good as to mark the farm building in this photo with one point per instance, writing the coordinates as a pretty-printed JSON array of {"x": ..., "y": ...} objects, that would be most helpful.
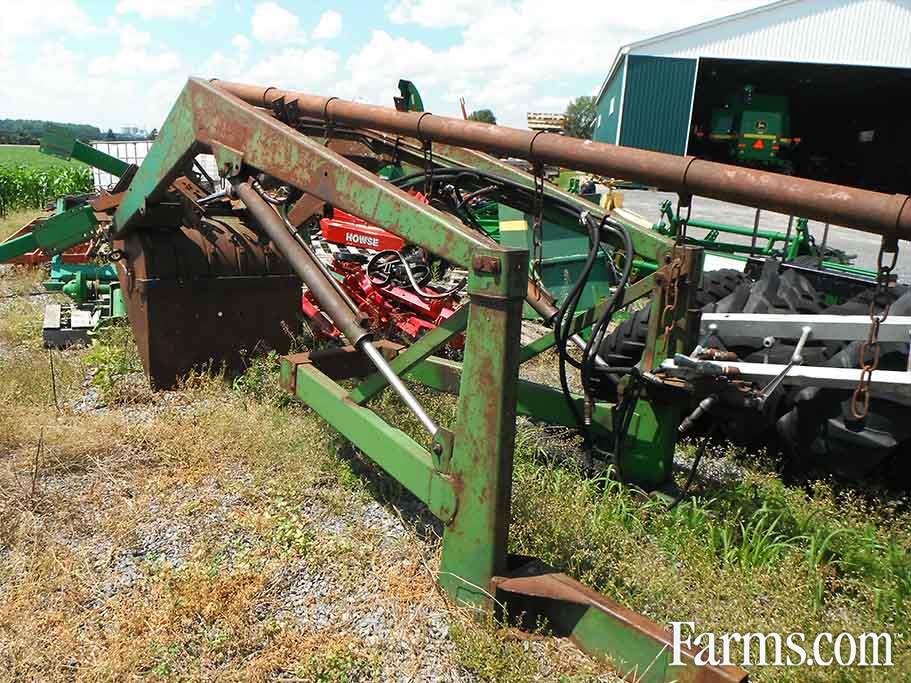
[{"x": 836, "y": 75}]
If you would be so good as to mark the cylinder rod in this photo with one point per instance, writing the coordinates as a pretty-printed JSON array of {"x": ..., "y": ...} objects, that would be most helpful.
[
  {"x": 396, "y": 383},
  {"x": 864, "y": 210}
]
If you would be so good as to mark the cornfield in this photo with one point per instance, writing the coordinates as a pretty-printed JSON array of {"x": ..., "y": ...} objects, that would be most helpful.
[{"x": 27, "y": 187}]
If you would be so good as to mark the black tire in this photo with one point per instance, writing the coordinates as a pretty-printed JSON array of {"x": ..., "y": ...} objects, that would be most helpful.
[
  {"x": 717, "y": 284},
  {"x": 624, "y": 346}
]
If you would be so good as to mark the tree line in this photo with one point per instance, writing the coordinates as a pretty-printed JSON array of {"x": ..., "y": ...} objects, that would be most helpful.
[{"x": 29, "y": 131}]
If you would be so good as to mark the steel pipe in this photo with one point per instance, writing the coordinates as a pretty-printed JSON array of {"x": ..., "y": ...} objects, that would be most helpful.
[
  {"x": 865, "y": 210},
  {"x": 334, "y": 305}
]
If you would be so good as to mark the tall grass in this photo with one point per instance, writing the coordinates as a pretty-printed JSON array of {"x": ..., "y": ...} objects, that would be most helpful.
[{"x": 26, "y": 187}]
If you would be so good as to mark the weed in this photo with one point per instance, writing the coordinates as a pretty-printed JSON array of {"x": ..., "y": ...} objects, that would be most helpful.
[
  {"x": 492, "y": 653},
  {"x": 112, "y": 359},
  {"x": 338, "y": 663},
  {"x": 260, "y": 380},
  {"x": 234, "y": 464}
]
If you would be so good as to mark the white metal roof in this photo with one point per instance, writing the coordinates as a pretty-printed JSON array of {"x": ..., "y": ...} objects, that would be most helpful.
[{"x": 852, "y": 32}]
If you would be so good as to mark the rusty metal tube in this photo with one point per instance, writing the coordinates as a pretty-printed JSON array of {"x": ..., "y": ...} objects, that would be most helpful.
[
  {"x": 864, "y": 210},
  {"x": 307, "y": 267},
  {"x": 301, "y": 263}
]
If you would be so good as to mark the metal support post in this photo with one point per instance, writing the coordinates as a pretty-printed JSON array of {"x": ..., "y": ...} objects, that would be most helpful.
[
  {"x": 647, "y": 455},
  {"x": 474, "y": 543}
]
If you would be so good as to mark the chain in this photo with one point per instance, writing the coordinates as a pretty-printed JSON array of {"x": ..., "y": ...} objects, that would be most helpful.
[
  {"x": 870, "y": 349},
  {"x": 396, "y": 151},
  {"x": 328, "y": 132},
  {"x": 683, "y": 202},
  {"x": 428, "y": 167},
  {"x": 670, "y": 303},
  {"x": 328, "y": 122},
  {"x": 673, "y": 294},
  {"x": 537, "y": 234}
]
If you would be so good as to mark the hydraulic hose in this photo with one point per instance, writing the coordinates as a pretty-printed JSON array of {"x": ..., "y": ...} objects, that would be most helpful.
[
  {"x": 565, "y": 315},
  {"x": 380, "y": 260},
  {"x": 601, "y": 327}
]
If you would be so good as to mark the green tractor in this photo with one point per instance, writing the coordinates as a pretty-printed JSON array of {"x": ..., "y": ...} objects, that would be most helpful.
[{"x": 754, "y": 130}]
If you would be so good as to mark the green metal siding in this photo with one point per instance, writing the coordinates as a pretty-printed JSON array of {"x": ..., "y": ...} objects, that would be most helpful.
[
  {"x": 657, "y": 103},
  {"x": 608, "y": 124}
]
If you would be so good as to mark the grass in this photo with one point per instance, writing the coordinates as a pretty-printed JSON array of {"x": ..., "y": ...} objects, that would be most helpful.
[
  {"x": 751, "y": 556},
  {"x": 32, "y": 156},
  {"x": 12, "y": 221},
  {"x": 161, "y": 535}
]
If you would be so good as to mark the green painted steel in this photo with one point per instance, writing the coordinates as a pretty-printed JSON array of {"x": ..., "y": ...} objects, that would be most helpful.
[
  {"x": 647, "y": 243},
  {"x": 533, "y": 399},
  {"x": 174, "y": 146},
  {"x": 18, "y": 246},
  {"x": 411, "y": 98},
  {"x": 647, "y": 454},
  {"x": 608, "y": 123},
  {"x": 224, "y": 124},
  {"x": 416, "y": 353},
  {"x": 62, "y": 272},
  {"x": 796, "y": 243},
  {"x": 54, "y": 235},
  {"x": 563, "y": 257},
  {"x": 390, "y": 448},
  {"x": 586, "y": 317},
  {"x": 657, "y": 103},
  {"x": 60, "y": 142},
  {"x": 475, "y": 542},
  {"x": 650, "y": 661},
  {"x": 465, "y": 479}
]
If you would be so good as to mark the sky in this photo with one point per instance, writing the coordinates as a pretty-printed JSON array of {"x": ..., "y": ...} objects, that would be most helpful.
[{"x": 116, "y": 63}]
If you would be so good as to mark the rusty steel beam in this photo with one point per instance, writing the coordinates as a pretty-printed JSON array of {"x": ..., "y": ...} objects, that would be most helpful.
[
  {"x": 875, "y": 212},
  {"x": 642, "y": 652}
]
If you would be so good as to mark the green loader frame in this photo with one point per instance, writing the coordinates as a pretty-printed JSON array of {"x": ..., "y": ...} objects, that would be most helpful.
[{"x": 465, "y": 477}]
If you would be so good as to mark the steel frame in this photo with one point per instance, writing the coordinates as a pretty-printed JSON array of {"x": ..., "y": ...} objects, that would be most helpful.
[{"x": 465, "y": 477}]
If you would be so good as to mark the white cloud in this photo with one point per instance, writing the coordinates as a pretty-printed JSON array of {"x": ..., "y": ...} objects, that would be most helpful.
[
  {"x": 134, "y": 57},
  {"x": 329, "y": 26},
  {"x": 294, "y": 67},
  {"x": 45, "y": 18},
  {"x": 435, "y": 14},
  {"x": 274, "y": 24},
  {"x": 511, "y": 56},
  {"x": 227, "y": 67},
  {"x": 107, "y": 101},
  {"x": 162, "y": 9},
  {"x": 241, "y": 42},
  {"x": 515, "y": 56},
  {"x": 374, "y": 70}
]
